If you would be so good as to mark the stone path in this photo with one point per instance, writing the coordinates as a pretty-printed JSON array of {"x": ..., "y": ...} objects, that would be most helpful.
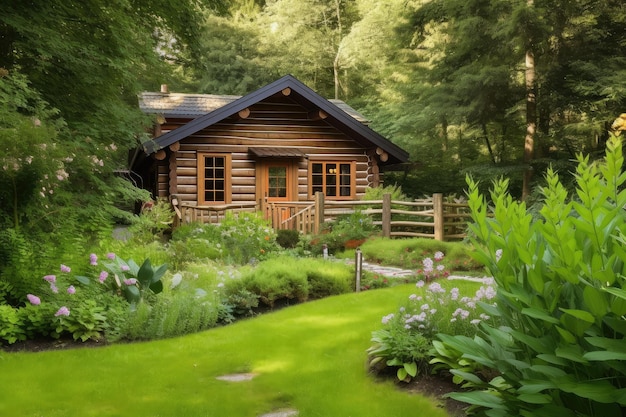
[
  {"x": 282, "y": 412},
  {"x": 393, "y": 272}
]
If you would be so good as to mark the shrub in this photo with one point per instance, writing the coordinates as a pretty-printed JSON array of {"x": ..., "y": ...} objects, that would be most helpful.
[
  {"x": 10, "y": 325},
  {"x": 154, "y": 221},
  {"x": 398, "y": 348},
  {"x": 172, "y": 315},
  {"x": 409, "y": 253},
  {"x": 406, "y": 340},
  {"x": 246, "y": 237},
  {"x": 326, "y": 278},
  {"x": 288, "y": 238},
  {"x": 346, "y": 232},
  {"x": 278, "y": 279},
  {"x": 561, "y": 299}
]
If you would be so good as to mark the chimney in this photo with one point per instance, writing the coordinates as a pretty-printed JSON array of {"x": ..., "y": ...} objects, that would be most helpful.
[{"x": 164, "y": 89}]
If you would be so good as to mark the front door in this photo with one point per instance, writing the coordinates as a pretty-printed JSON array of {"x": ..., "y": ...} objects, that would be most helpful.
[{"x": 278, "y": 181}]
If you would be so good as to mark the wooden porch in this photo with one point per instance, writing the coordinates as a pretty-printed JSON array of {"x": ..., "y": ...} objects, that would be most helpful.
[{"x": 435, "y": 217}]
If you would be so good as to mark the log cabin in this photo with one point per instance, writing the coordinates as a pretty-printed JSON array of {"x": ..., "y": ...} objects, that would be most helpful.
[{"x": 281, "y": 143}]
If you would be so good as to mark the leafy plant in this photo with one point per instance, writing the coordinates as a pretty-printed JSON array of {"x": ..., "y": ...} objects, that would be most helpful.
[
  {"x": 436, "y": 309},
  {"x": 136, "y": 281},
  {"x": 561, "y": 298},
  {"x": 153, "y": 222},
  {"x": 10, "y": 325},
  {"x": 87, "y": 320},
  {"x": 278, "y": 279},
  {"x": 287, "y": 238},
  {"x": 403, "y": 350},
  {"x": 347, "y": 232}
]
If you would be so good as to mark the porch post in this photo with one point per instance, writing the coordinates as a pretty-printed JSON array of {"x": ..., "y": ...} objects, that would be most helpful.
[{"x": 319, "y": 212}]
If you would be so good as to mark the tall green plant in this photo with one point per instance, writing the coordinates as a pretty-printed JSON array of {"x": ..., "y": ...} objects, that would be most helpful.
[{"x": 561, "y": 299}]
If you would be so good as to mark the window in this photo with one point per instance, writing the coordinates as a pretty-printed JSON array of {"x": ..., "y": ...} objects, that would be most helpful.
[
  {"x": 334, "y": 179},
  {"x": 213, "y": 178},
  {"x": 277, "y": 182}
]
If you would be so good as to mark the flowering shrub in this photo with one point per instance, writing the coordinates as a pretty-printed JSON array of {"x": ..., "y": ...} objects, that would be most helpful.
[
  {"x": 401, "y": 342},
  {"x": 433, "y": 268},
  {"x": 246, "y": 237}
]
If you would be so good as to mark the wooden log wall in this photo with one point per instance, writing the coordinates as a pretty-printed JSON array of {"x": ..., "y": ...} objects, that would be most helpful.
[{"x": 276, "y": 122}]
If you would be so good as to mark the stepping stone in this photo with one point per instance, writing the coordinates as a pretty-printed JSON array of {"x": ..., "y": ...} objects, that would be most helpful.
[
  {"x": 282, "y": 413},
  {"x": 237, "y": 377}
]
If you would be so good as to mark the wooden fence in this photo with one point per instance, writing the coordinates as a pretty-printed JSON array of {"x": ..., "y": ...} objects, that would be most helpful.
[{"x": 436, "y": 217}]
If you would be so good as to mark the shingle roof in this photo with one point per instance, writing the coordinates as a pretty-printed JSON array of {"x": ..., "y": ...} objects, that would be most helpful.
[
  {"x": 194, "y": 105},
  {"x": 301, "y": 94}
]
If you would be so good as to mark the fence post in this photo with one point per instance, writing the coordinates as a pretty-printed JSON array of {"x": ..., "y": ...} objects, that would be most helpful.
[
  {"x": 319, "y": 212},
  {"x": 358, "y": 268},
  {"x": 386, "y": 216},
  {"x": 438, "y": 216}
]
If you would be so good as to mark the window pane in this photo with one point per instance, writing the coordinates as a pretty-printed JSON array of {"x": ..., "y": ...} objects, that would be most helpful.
[{"x": 317, "y": 168}]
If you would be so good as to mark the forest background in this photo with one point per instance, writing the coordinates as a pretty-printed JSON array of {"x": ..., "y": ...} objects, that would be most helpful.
[{"x": 487, "y": 87}]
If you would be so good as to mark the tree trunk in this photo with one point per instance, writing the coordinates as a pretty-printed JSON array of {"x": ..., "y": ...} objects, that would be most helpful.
[
  {"x": 531, "y": 116},
  {"x": 336, "y": 60},
  {"x": 486, "y": 134}
]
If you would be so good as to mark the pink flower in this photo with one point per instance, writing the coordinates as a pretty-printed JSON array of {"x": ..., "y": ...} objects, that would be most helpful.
[
  {"x": 34, "y": 300},
  {"x": 54, "y": 288},
  {"x": 63, "y": 311},
  {"x": 130, "y": 281},
  {"x": 438, "y": 256},
  {"x": 93, "y": 259},
  {"x": 125, "y": 268},
  {"x": 103, "y": 276},
  {"x": 110, "y": 255},
  {"x": 71, "y": 289},
  {"x": 65, "y": 268},
  {"x": 50, "y": 278}
]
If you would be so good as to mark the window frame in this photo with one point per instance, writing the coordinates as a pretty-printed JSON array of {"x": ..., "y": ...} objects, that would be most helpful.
[
  {"x": 337, "y": 176},
  {"x": 201, "y": 177}
]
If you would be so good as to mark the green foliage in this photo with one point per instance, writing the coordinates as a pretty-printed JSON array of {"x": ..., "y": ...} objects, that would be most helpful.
[
  {"x": 326, "y": 278},
  {"x": 408, "y": 335},
  {"x": 401, "y": 349},
  {"x": 237, "y": 301},
  {"x": 560, "y": 287},
  {"x": 283, "y": 279},
  {"x": 87, "y": 320},
  {"x": 155, "y": 220},
  {"x": 287, "y": 238},
  {"x": 11, "y": 327},
  {"x": 135, "y": 281},
  {"x": 409, "y": 253},
  {"x": 377, "y": 193},
  {"x": 38, "y": 320},
  {"x": 246, "y": 237},
  {"x": 239, "y": 239},
  {"x": 278, "y": 279},
  {"x": 174, "y": 315},
  {"x": 347, "y": 232}
]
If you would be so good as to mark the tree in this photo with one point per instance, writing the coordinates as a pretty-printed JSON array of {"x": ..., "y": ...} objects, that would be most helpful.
[{"x": 557, "y": 57}]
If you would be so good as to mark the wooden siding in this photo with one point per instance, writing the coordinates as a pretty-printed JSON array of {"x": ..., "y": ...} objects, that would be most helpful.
[{"x": 276, "y": 122}]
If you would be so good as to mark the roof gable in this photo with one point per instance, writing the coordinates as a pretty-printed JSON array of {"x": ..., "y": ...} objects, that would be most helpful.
[{"x": 225, "y": 106}]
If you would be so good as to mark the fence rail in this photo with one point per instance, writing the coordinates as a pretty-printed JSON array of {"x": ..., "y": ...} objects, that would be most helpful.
[{"x": 436, "y": 217}]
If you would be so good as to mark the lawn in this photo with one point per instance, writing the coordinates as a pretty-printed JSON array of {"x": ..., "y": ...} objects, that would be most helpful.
[{"x": 310, "y": 357}]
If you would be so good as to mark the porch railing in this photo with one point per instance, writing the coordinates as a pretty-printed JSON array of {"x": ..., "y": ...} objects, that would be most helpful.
[{"x": 435, "y": 217}]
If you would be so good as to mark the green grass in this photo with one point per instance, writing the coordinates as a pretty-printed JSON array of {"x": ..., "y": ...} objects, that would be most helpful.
[{"x": 310, "y": 357}]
